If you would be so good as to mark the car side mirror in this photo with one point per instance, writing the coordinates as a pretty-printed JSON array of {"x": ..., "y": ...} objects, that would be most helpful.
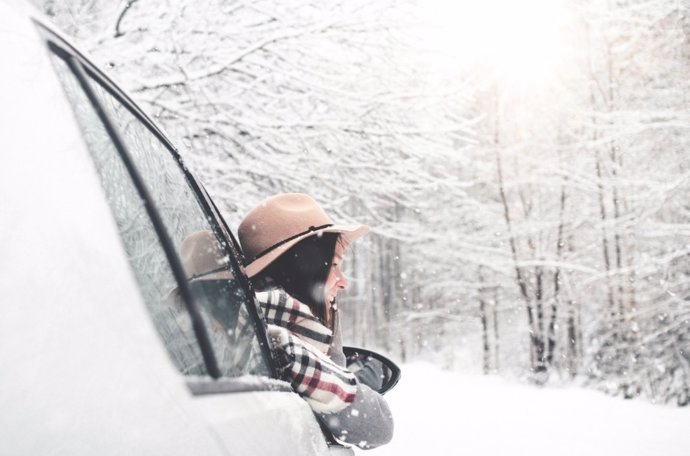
[{"x": 372, "y": 369}]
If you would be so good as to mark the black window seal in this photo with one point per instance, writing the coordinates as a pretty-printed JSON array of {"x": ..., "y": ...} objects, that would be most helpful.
[
  {"x": 63, "y": 48},
  {"x": 254, "y": 309},
  {"x": 168, "y": 247}
]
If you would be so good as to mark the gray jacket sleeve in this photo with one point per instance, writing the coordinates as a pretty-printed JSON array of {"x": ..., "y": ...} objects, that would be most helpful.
[{"x": 368, "y": 422}]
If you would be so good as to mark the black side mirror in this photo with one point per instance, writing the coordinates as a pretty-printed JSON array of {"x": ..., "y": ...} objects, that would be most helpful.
[{"x": 372, "y": 369}]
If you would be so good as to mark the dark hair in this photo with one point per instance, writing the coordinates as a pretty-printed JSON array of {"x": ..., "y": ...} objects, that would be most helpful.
[{"x": 302, "y": 271}]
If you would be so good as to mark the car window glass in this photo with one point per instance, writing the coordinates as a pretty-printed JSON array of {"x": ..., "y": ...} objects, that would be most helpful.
[
  {"x": 212, "y": 279},
  {"x": 139, "y": 238}
]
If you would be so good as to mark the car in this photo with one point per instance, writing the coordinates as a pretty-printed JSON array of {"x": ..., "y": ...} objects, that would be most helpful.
[{"x": 108, "y": 344}]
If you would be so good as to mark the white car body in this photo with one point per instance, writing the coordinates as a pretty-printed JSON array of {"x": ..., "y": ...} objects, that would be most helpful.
[{"x": 83, "y": 370}]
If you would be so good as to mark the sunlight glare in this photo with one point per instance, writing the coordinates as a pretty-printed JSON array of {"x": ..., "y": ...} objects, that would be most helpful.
[{"x": 519, "y": 39}]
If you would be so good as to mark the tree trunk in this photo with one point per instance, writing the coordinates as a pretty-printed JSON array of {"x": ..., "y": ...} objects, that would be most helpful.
[{"x": 486, "y": 349}]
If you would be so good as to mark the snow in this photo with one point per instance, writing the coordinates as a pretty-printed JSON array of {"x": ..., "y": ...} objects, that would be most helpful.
[{"x": 449, "y": 413}]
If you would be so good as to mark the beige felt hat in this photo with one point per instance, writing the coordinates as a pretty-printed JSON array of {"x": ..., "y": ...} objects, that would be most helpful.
[{"x": 280, "y": 222}]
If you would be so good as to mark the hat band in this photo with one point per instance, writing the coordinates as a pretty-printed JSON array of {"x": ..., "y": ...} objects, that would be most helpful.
[{"x": 285, "y": 241}]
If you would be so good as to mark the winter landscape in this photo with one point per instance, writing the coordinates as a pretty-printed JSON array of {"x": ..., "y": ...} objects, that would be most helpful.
[
  {"x": 524, "y": 168},
  {"x": 475, "y": 415}
]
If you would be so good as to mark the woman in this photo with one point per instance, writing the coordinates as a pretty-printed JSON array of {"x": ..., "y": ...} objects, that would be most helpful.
[{"x": 294, "y": 255}]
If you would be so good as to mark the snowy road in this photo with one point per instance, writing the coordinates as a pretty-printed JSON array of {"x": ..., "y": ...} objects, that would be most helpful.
[{"x": 442, "y": 413}]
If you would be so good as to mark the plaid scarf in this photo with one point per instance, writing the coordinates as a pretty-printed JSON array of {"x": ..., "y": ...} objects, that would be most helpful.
[{"x": 300, "y": 345}]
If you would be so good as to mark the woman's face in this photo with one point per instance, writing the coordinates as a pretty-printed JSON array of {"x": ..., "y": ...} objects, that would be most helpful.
[{"x": 336, "y": 279}]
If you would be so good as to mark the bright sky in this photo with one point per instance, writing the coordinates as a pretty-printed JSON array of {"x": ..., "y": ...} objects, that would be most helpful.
[
  {"x": 523, "y": 40},
  {"x": 445, "y": 413}
]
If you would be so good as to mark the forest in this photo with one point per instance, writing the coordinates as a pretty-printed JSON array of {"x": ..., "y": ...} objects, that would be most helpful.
[{"x": 524, "y": 166}]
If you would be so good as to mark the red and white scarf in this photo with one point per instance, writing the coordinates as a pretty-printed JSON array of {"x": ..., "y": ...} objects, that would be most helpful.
[{"x": 300, "y": 344}]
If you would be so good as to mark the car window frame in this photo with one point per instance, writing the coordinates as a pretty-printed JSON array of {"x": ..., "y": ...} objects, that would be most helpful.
[{"x": 83, "y": 69}]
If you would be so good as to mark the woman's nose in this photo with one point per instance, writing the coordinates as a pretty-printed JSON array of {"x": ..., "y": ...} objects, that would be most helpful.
[{"x": 342, "y": 282}]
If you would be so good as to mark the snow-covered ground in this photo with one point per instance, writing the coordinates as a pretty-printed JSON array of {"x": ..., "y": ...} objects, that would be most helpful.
[{"x": 446, "y": 413}]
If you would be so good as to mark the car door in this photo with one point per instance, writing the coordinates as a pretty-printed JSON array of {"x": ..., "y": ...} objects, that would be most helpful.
[
  {"x": 83, "y": 370},
  {"x": 211, "y": 331}
]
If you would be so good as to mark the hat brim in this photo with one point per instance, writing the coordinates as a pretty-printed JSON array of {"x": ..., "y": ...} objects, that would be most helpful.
[{"x": 349, "y": 234}]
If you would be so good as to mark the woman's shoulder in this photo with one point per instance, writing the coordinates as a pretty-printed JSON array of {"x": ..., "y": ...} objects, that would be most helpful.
[{"x": 268, "y": 296}]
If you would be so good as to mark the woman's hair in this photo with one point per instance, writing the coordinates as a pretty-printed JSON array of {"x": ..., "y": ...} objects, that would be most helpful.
[{"x": 302, "y": 272}]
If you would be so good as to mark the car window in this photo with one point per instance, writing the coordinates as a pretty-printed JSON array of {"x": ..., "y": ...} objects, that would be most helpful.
[{"x": 211, "y": 275}]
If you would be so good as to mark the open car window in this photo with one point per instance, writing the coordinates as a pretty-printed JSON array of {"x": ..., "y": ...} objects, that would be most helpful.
[{"x": 210, "y": 283}]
